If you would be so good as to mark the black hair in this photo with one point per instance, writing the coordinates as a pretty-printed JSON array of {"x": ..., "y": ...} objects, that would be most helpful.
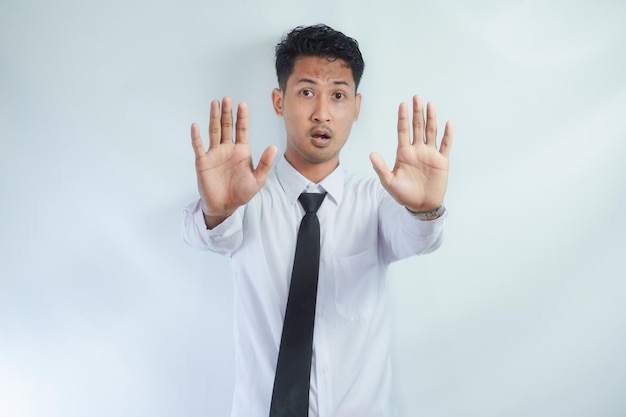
[{"x": 321, "y": 41}]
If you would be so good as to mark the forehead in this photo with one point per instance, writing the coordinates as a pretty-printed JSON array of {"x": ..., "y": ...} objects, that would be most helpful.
[{"x": 321, "y": 70}]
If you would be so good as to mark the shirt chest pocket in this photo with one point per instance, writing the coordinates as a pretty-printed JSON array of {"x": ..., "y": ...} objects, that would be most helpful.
[{"x": 357, "y": 284}]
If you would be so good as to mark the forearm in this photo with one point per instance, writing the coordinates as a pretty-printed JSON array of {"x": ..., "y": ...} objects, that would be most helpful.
[{"x": 405, "y": 234}]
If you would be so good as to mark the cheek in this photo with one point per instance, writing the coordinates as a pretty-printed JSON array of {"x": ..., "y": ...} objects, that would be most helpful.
[
  {"x": 347, "y": 112},
  {"x": 289, "y": 120},
  {"x": 347, "y": 120},
  {"x": 294, "y": 114},
  {"x": 294, "y": 126}
]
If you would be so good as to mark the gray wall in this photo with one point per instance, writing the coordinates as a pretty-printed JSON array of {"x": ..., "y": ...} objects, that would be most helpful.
[{"x": 105, "y": 312}]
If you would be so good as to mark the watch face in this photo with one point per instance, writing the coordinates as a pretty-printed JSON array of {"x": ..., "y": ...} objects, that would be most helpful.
[
  {"x": 434, "y": 214},
  {"x": 428, "y": 215}
]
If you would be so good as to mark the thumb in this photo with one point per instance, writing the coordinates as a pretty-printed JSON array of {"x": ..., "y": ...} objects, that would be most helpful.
[
  {"x": 381, "y": 168},
  {"x": 265, "y": 164}
]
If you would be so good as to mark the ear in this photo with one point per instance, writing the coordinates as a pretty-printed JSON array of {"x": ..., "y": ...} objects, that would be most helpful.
[
  {"x": 277, "y": 101},
  {"x": 358, "y": 107}
]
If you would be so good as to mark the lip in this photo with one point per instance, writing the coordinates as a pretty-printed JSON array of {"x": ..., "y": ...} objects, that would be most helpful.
[{"x": 320, "y": 137}]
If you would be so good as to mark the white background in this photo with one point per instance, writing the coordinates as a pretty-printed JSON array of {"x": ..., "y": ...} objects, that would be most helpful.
[{"x": 105, "y": 312}]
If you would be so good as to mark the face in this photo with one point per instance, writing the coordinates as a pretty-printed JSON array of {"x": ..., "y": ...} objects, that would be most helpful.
[{"x": 319, "y": 105}]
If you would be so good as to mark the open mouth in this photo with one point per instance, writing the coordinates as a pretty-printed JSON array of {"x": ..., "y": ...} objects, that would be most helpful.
[{"x": 320, "y": 134}]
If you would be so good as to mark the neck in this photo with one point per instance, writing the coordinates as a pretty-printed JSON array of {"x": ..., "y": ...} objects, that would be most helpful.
[{"x": 314, "y": 172}]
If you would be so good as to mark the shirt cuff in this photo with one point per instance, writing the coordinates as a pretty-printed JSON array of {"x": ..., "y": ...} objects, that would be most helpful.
[
  {"x": 223, "y": 238},
  {"x": 433, "y": 227}
]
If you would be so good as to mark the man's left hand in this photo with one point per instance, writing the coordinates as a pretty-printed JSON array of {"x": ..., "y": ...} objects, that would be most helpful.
[{"x": 420, "y": 175}]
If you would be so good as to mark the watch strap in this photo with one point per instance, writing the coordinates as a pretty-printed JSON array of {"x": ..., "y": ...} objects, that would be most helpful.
[{"x": 428, "y": 215}]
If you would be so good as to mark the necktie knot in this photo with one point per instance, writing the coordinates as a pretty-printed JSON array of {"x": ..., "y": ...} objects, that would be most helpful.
[{"x": 311, "y": 202}]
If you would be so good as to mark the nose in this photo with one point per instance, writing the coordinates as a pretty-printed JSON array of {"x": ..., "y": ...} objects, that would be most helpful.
[{"x": 321, "y": 112}]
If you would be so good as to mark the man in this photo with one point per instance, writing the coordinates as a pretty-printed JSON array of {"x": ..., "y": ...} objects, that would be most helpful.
[{"x": 253, "y": 216}]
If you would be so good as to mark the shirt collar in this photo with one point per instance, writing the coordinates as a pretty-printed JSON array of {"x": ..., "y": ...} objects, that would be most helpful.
[{"x": 294, "y": 183}]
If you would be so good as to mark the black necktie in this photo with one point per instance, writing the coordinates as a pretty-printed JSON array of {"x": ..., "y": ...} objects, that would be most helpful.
[{"x": 290, "y": 396}]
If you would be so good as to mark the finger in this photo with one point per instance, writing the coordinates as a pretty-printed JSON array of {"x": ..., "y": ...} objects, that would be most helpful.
[
  {"x": 241, "y": 127},
  {"x": 265, "y": 164},
  {"x": 431, "y": 125},
  {"x": 446, "y": 142},
  {"x": 196, "y": 141},
  {"x": 215, "y": 128},
  {"x": 418, "y": 121},
  {"x": 404, "y": 135},
  {"x": 227, "y": 120},
  {"x": 381, "y": 168}
]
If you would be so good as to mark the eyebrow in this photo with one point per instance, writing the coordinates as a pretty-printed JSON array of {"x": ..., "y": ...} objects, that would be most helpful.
[{"x": 310, "y": 81}]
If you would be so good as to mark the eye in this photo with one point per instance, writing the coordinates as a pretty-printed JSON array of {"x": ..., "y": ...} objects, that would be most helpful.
[
  {"x": 306, "y": 92},
  {"x": 339, "y": 96}
]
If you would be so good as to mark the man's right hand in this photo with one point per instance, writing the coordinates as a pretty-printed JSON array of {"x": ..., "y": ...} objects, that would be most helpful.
[{"x": 226, "y": 176}]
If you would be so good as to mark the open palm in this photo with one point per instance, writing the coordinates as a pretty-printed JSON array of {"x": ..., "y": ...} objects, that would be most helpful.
[
  {"x": 420, "y": 175},
  {"x": 226, "y": 176}
]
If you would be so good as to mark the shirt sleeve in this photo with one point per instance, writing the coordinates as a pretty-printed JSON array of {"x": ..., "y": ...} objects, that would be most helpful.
[
  {"x": 403, "y": 234},
  {"x": 223, "y": 238}
]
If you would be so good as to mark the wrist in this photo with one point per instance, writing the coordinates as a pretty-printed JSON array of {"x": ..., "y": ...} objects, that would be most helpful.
[
  {"x": 212, "y": 219},
  {"x": 427, "y": 215}
]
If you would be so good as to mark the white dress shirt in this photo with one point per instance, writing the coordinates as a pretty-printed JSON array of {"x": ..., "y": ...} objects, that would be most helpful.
[{"x": 363, "y": 229}]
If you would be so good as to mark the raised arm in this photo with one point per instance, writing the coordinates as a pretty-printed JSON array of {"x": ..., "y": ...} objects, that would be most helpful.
[
  {"x": 226, "y": 176},
  {"x": 420, "y": 175}
]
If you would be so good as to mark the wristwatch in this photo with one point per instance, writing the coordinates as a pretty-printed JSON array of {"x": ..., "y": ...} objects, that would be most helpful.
[{"x": 429, "y": 215}]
